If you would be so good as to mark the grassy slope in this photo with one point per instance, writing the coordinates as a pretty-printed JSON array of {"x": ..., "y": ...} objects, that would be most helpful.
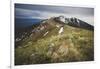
[{"x": 74, "y": 44}]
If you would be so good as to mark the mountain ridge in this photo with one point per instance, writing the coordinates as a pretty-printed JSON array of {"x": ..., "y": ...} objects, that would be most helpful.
[
  {"x": 54, "y": 22},
  {"x": 44, "y": 44}
]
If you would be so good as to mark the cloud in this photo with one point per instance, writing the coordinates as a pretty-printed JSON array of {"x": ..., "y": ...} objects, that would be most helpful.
[
  {"x": 44, "y": 12},
  {"x": 24, "y": 13}
]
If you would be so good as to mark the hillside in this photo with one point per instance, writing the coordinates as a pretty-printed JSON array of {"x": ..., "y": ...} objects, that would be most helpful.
[{"x": 44, "y": 44}]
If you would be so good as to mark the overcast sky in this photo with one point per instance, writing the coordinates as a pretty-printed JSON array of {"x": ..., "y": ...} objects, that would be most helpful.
[{"x": 46, "y": 11}]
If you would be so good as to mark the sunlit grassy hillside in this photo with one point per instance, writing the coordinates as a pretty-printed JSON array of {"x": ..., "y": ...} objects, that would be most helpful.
[{"x": 74, "y": 44}]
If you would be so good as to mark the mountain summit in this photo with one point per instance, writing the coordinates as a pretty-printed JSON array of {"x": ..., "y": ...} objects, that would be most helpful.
[{"x": 74, "y": 22}]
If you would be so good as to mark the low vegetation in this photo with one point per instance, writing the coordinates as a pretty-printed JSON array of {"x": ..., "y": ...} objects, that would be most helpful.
[{"x": 74, "y": 44}]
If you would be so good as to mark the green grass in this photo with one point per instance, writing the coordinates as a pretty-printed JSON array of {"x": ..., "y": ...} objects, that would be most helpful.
[{"x": 74, "y": 44}]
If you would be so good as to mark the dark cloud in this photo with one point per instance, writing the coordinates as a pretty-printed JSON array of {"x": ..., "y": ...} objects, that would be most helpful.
[
  {"x": 57, "y": 9},
  {"x": 44, "y": 11}
]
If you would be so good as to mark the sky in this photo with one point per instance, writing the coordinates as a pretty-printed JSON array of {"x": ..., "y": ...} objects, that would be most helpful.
[{"x": 29, "y": 11}]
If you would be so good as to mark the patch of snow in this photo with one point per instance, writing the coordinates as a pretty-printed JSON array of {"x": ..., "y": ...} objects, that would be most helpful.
[
  {"x": 78, "y": 22},
  {"x": 46, "y": 33},
  {"x": 57, "y": 26},
  {"x": 62, "y": 18},
  {"x": 66, "y": 20},
  {"x": 42, "y": 28},
  {"x": 44, "y": 21},
  {"x": 61, "y": 30}
]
